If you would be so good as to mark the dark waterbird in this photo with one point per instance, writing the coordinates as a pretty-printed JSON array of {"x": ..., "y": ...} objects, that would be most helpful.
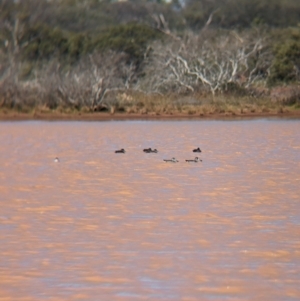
[
  {"x": 173, "y": 160},
  {"x": 197, "y": 150},
  {"x": 120, "y": 151},
  {"x": 194, "y": 160},
  {"x": 149, "y": 150}
]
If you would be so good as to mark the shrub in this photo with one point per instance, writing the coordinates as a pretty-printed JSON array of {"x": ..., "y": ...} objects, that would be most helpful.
[
  {"x": 44, "y": 42},
  {"x": 131, "y": 38},
  {"x": 286, "y": 63}
]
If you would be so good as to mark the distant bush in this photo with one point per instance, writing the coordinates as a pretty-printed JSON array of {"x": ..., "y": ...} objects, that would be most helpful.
[
  {"x": 131, "y": 38},
  {"x": 242, "y": 13},
  {"x": 286, "y": 63},
  {"x": 44, "y": 43}
]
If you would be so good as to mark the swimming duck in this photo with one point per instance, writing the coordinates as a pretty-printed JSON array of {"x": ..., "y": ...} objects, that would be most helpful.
[
  {"x": 197, "y": 150},
  {"x": 56, "y": 160},
  {"x": 173, "y": 160},
  {"x": 194, "y": 160},
  {"x": 150, "y": 150},
  {"x": 120, "y": 151}
]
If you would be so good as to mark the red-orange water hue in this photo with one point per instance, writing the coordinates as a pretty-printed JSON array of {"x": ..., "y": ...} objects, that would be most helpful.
[{"x": 104, "y": 226}]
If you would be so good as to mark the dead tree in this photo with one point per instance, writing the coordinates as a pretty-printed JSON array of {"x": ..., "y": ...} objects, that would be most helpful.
[{"x": 212, "y": 62}]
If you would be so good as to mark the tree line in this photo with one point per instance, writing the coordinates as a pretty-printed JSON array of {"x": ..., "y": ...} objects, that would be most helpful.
[{"x": 85, "y": 53}]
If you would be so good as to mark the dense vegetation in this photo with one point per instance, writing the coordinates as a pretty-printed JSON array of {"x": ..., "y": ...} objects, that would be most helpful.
[{"x": 135, "y": 55}]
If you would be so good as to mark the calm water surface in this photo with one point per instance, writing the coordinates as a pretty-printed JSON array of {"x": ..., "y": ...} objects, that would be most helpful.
[{"x": 105, "y": 226}]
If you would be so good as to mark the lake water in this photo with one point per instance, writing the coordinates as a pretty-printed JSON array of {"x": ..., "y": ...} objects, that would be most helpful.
[{"x": 104, "y": 226}]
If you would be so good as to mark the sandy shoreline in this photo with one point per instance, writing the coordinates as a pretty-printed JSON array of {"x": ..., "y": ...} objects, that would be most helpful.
[{"x": 55, "y": 116}]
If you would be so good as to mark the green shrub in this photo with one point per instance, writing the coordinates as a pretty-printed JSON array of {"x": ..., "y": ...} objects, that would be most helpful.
[
  {"x": 77, "y": 46},
  {"x": 131, "y": 38},
  {"x": 44, "y": 42},
  {"x": 286, "y": 63}
]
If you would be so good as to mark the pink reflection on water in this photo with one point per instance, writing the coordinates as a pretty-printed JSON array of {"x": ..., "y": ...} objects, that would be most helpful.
[{"x": 131, "y": 227}]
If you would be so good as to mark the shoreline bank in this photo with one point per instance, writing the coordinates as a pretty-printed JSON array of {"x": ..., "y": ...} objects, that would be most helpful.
[{"x": 104, "y": 116}]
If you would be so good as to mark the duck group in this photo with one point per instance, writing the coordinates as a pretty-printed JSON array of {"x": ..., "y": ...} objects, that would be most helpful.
[
  {"x": 172, "y": 160},
  {"x": 150, "y": 150},
  {"x": 155, "y": 151}
]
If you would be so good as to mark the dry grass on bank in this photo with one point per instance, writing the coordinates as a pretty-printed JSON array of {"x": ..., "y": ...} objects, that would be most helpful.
[
  {"x": 139, "y": 104},
  {"x": 205, "y": 104}
]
